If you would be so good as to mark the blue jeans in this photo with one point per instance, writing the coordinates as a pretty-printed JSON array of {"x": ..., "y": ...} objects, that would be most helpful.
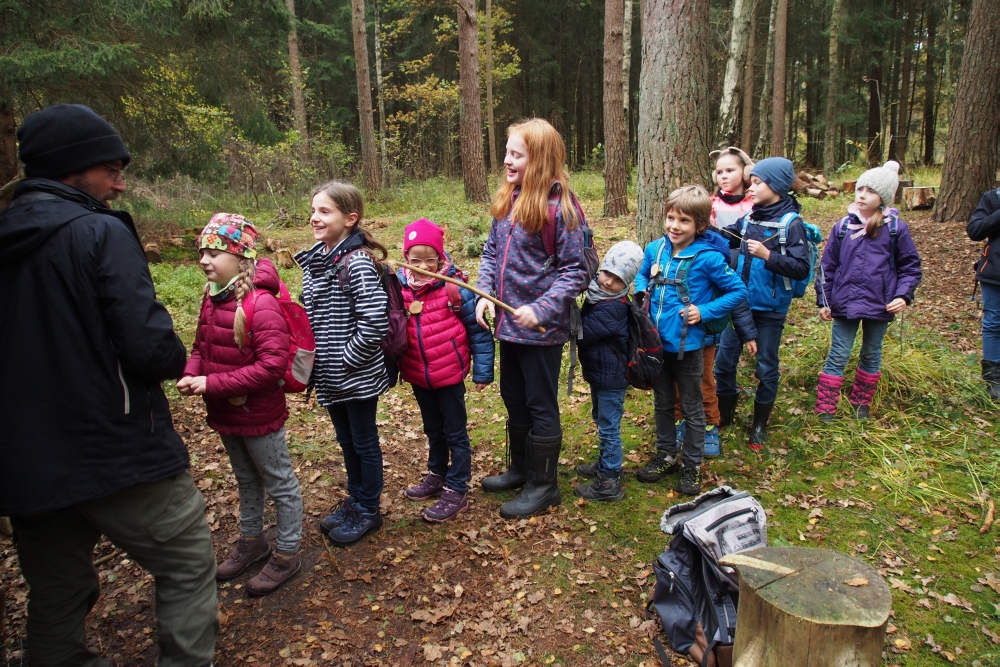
[
  {"x": 357, "y": 434},
  {"x": 607, "y": 408},
  {"x": 769, "y": 328},
  {"x": 991, "y": 321},
  {"x": 844, "y": 332},
  {"x": 445, "y": 425}
]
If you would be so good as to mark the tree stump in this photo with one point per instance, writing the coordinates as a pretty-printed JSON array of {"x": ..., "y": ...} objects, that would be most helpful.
[
  {"x": 919, "y": 198},
  {"x": 285, "y": 259},
  {"x": 903, "y": 183},
  {"x": 848, "y": 187},
  {"x": 808, "y": 608}
]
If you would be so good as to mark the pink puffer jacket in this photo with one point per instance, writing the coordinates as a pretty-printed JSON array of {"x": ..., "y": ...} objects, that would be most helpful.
[
  {"x": 253, "y": 372},
  {"x": 437, "y": 346},
  {"x": 725, "y": 214}
]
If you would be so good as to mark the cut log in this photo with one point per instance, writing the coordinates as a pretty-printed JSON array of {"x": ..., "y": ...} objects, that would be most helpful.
[
  {"x": 822, "y": 182},
  {"x": 808, "y": 608},
  {"x": 915, "y": 199},
  {"x": 834, "y": 191},
  {"x": 152, "y": 251},
  {"x": 272, "y": 245},
  {"x": 801, "y": 182},
  {"x": 285, "y": 259},
  {"x": 905, "y": 183},
  {"x": 848, "y": 187},
  {"x": 816, "y": 192}
]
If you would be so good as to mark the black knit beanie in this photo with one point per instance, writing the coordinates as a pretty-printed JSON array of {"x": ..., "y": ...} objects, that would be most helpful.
[{"x": 66, "y": 139}]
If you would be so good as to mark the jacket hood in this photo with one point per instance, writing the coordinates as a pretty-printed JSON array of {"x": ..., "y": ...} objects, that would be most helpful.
[
  {"x": 786, "y": 204},
  {"x": 22, "y": 232},
  {"x": 266, "y": 277}
]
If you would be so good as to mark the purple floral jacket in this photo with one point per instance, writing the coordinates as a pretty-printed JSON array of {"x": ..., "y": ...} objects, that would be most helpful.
[{"x": 516, "y": 269}]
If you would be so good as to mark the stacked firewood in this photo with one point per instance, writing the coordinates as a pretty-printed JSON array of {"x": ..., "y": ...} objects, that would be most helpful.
[{"x": 814, "y": 185}]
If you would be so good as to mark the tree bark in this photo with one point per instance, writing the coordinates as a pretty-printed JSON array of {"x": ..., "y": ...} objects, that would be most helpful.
[
  {"x": 780, "y": 43},
  {"x": 746, "y": 123},
  {"x": 626, "y": 56},
  {"x": 295, "y": 68},
  {"x": 930, "y": 81},
  {"x": 369, "y": 152},
  {"x": 615, "y": 131},
  {"x": 970, "y": 164},
  {"x": 383, "y": 147},
  {"x": 673, "y": 107},
  {"x": 832, "y": 91},
  {"x": 730, "y": 104},
  {"x": 875, "y": 114},
  {"x": 471, "y": 119},
  {"x": 764, "y": 136},
  {"x": 494, "y": 164},
  {"x": 9, "y": 167}
]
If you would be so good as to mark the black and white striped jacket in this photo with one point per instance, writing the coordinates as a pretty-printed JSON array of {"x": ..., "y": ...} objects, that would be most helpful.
[{"x": 349, "y": 324}]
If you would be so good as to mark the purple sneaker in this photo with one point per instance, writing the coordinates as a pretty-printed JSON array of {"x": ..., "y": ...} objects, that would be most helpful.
[
  {"x": 429, "y": 488},
  {"x": 450, "y": 504}
]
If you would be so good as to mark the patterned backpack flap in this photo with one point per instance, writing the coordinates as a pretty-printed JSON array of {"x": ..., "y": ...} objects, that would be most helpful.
[{"x": 301, "y": 341}]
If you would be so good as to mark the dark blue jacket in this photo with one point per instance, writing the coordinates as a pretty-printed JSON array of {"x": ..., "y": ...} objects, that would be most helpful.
[
  {"x": 741, "y": 316},
  {"x": 604, "y": 346}
]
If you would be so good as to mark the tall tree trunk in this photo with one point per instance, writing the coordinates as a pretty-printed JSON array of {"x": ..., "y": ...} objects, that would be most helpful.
[
  {"x": 874, "y": 153},
  {"x": 615, "y": 132},
  {"x": 626, "y": 56},
  {"x": 673, "y": 106},
  {"x": 471, "y": 119},
  {"x": 383, "y": 147},
  {"x": 369, "y": 153},
  {"x": 832, "y": 91},
  {"x": 778, "y": 93},
  {"x": 746, "y": 123},
  {"x": 295, "y": 68},
  {"x": 970, "y": 164},
  {"x": 9, "y": 167},
  {"x": 930, "y": 81},
  {"x": 901, "y": 131},
  {"x": 764, "y": 117},
  {"x": 494, "y": 164},
  {"x": 730, "y": 104}
]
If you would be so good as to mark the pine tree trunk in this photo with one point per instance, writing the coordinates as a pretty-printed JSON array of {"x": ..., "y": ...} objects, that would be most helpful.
[
  {"x": 746, "y": 123},
  {"x": 778, "y": 93},
  {"x": 383, "y": 148},
  {"x": 615, "y": 131},
  {"x": 970, "y": 164},
  {"x": 730, "y": 105},
  {"x": 295, "y": 68},
  {"x": 494, "y": 164},
  {"x": 369, "y": 152},
  {"x": 832, "y": 91},
  {"x": 471, "y": 119},
  {"x": 930, "y": 85},
  {"x": 626, "y": 56},
  {"x": 9, "y": 167},
  {"x": 764, "y": 117},
  {"x": 901, "y": 131},
  {"x": 673, "y": 107},
  {"x": 874, "y": 155}
]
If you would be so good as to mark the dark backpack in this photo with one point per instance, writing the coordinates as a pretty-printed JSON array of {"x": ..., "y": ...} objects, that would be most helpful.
[{"x": 645, "y": 349}]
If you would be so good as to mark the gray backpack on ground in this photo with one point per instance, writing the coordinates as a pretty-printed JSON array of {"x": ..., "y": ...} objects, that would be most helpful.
[{"x": 695, "y": 597}]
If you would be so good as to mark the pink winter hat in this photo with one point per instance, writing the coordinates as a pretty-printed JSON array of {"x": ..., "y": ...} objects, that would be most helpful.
[{"x": 424, "y": 232}]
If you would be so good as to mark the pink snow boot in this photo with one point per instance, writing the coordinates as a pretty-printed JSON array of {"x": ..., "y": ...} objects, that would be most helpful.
[
  {"x": 827, "y": 395},
  {"x": 862, "y": 392}
]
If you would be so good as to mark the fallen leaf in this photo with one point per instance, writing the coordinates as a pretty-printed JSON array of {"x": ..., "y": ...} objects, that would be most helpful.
[
  {"x": 434, "y": 616},
  {"x": 432, "y": 652},
  {"x": 903, "y": 643},
  {"x": 857, "y": 581}
]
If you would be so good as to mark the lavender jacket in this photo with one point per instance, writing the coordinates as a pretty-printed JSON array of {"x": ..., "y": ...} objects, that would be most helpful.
[
  {"x": 859, "y": 280},
  {"x": 515, "y": 268}
]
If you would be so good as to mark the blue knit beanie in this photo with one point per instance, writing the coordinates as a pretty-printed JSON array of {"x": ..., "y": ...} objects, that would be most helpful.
[{"x": 777, "y": 172}]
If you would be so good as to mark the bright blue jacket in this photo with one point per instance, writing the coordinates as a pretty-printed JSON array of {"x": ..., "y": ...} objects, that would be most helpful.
[{"x": 709, "y": 271}]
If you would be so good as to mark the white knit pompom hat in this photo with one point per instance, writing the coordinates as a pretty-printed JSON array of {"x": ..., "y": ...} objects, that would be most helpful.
[{"x": 884, "y": 181}]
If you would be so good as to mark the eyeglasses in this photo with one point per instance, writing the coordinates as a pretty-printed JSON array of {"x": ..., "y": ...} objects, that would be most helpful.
[
  {"x": 118, "y": 174},
  {"x": 425, "y": 261}
]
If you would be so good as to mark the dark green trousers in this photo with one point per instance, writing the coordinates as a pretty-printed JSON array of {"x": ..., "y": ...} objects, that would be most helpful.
[{"x": 161, "y": 526}]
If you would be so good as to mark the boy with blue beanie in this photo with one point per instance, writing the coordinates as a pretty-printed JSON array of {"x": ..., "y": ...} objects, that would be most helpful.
[{"x": 768, "y": 262}]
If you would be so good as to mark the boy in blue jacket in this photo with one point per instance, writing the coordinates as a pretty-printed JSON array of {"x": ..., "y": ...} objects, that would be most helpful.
[
  {"x": 686, "y": 283},
  {"x": 767, "y": 268}
]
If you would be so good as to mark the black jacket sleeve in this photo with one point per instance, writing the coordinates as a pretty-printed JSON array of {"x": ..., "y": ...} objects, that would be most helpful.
[
  {"x": 141, "y": 329},
  {"x": 985, "y": 220},
  {"x": 794, "y": 263}
]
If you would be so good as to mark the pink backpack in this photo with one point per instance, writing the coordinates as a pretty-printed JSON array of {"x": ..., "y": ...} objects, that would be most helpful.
[{"x": 301, "y": 341}]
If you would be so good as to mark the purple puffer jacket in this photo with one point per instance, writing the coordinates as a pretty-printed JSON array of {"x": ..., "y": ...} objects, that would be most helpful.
[
  {"x": 859, "y": 280},
  {"x": 514, "y": 268}
]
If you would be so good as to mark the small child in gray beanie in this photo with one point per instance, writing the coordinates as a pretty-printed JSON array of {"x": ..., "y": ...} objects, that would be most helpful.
[{"x": 883, "y": 181}]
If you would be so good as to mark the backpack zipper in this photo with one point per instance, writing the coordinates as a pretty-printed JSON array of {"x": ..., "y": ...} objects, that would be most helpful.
[{"x": 745, "y": 510}]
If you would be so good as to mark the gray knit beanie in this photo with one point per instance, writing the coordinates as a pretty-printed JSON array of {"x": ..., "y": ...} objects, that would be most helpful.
[
  {"x": 623, "y": 260},
  {"x": 884, "y": 181}
]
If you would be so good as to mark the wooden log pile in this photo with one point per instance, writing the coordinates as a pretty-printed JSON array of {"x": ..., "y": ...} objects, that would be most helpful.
[{"x": 814, "y": 185}]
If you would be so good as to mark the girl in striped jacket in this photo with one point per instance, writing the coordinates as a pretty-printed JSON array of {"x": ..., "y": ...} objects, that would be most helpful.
[{"x": 350, "y": 318}]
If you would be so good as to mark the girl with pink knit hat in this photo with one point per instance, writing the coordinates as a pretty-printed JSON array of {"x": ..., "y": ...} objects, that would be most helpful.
[{"x": 443, "y": 342}]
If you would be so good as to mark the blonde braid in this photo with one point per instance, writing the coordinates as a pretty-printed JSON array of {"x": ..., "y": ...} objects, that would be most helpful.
[
  {"x": 244, "y": 285},
  {"x": 874, "y": 222}
]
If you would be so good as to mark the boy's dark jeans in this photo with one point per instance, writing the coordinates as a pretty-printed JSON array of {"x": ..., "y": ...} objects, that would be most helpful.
[
  {"x": 445, "y": 424},
  {"x": 357, "y": 434},
  {"x": 769, "y": 328},
  {"x": 686, "y": 374},
  {"x": 529, "y": 386}
]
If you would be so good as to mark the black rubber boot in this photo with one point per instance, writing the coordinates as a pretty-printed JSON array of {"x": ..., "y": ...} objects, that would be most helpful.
[
  {"x": 513, "y": 477},
  {"x": 758, "y": 432},
  {"x": 605, "y": 486},
  {"x": 541, "y": 489},
  {"x": 727, "y": 408},
  {"x": 991, "y": 376}
]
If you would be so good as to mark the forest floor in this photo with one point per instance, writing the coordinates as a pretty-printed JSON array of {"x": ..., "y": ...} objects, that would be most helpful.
[{"x": 906, "y": 491}]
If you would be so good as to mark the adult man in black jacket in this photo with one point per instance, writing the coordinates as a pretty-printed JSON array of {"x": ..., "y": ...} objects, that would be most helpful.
[
  {"x": 88, "y": 446},
  {"x": 984, "y": 225}
]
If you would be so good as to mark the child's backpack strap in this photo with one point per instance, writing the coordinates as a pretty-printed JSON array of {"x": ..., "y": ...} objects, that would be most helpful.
[
  {"x": 454, "y": 297},
  {"x": 591, "y": 260},
  {"x": 843, "y": 228},
  {"x": 892, "y": 222}
]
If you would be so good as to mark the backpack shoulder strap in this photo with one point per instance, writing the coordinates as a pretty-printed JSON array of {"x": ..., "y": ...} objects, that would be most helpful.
[
  {"x": 892, "y": 222},
  {"x": 454, "y": 297},
  {"x": 843, "y": 229}
]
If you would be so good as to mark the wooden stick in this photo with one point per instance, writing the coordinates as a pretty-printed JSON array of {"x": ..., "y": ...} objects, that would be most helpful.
[{"x": 454, "y": 281}]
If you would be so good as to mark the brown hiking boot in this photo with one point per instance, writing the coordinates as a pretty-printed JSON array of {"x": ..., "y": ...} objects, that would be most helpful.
[
  {"x": 248, "y": 551},
  {"x": 278, "y": 570}
]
